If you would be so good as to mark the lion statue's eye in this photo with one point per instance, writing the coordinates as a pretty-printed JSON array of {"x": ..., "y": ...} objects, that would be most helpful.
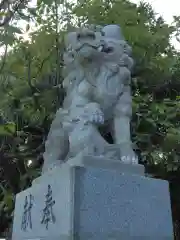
[
  {"x": 102, "y": 33},
  {"x": 86, "y": 35},
  {"x": 109, "y": 49}
]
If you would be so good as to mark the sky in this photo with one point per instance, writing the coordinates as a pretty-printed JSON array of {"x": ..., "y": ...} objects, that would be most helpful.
[{"x": 166, "y": 8}]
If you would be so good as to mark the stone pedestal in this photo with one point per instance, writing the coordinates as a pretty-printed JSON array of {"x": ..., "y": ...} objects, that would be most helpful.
[{"x": 92, "y": 200}]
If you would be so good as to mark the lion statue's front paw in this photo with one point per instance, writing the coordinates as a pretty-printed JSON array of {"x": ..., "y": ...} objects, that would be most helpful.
[
  {"x": 128, "y": 155},
  {"x": 93, "y": 114},
  {"x": 97, "y": 118}
]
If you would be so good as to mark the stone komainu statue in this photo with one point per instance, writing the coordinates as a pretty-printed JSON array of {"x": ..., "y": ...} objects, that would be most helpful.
[{"x": 97, "y": 82}]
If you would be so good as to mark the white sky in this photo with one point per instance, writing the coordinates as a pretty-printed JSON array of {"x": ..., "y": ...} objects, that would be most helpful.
[{"x": 166, "y": 8}]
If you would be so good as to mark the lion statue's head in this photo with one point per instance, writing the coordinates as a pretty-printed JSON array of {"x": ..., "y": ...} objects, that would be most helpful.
[{"x": 103, "y": 57}]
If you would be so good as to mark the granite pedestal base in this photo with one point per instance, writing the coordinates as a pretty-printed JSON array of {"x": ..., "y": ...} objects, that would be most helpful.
[{"x": 92, "y": 203}]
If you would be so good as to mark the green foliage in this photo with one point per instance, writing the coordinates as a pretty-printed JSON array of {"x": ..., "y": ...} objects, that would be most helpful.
[
  {"x": 7, "y": 129},
  {"x": 30, "y": 75}
]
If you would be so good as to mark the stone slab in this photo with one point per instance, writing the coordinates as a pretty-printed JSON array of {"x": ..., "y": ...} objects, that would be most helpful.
[
  {"x": 92, "y": 203},
  {"x": 109, "y": 205},
  {"x": 62, "y": 193},
  {"x": 98, "y": 162}
]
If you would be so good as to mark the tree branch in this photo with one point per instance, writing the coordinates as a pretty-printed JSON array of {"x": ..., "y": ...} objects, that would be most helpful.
[
  {"x": 33, "y": 89},
  {"x": 2, "y": 4},
  {"x": 4, "y": 59},
  {"x": 11, "y": 13}
]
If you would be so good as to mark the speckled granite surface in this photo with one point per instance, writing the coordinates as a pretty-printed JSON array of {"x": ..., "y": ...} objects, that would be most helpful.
[{"x": 112, "y": 205}]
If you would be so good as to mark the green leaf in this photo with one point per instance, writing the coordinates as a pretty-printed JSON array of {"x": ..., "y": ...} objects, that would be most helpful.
[
  {"x": 2, "y": 14},
  {"x": 9, "y": 200},
  {"x": 32, "y": 11},
  {"x": 47, "y": 2},
  {"x": 7, "y": 129},
  {"x": 12, "y": 30},
  {"x": 24, "y": 17},
  {"x": 7, "y": 39}
]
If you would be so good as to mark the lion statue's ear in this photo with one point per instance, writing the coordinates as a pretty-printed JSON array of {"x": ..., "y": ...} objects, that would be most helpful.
[{"x": 113, "y": 32}]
